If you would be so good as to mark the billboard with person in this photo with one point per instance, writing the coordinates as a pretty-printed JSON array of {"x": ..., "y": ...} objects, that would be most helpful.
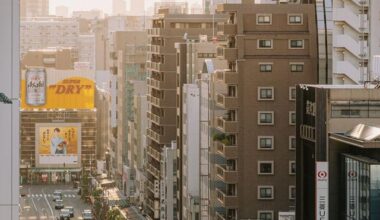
[{"x": 58, "y": 145}]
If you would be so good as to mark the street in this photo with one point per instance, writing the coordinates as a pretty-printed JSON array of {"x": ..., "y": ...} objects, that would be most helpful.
[{"x": 38, "y": 203}]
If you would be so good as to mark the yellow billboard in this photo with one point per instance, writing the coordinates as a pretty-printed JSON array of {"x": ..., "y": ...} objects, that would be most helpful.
[
  {"x": 58, "y": 144},
  {"x": 57, "y": 89}
]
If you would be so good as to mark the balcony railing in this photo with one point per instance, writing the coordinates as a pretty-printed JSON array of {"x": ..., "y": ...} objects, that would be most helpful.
[
  {"x": 226, "y": 174},
  {"x": 228, "y": 151},
  {"x": 227, "y": 77},
  {"x": 228, "y": 201},
  {"x": 226, "y": 126},
  {"x": 227, "y": 102},
  {"x": 153, "y": 153},
  {"x": 154, "y": 171},
  {"x": 226, "y": 29}
]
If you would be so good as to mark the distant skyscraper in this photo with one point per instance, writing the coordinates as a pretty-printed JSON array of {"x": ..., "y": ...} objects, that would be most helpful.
[
  {"x": 62, "y": 11},
  {"x": 137, "y": 7},
  {"x": 119, "y": 7},
  {"x": 34, "y": 8}
]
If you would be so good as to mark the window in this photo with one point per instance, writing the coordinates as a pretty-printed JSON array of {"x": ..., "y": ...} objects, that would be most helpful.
[
  {"x": 265, "y": 67},
  {"x": 265, "y": 118},
  {"x": 263, "y": 19},
  {"x": 296, "y": 44},
  {"x": 292, "y": 118},
  {"x": 292, "y": 93},
  {"x": 292, "y": 167},
  {"x": 265, "y": 215},
  {"x": 264, "y": 44},
  {"x": 265, "y": 93},
  {"x": 292, "y": 143},
  {"x": 296, "y": 67},
  {"x": 295, "y": 19},
  {"x": 265, "y": 192},
  {"x": 265, "y": 142},
  {"x": 265, "y": 167},
  {"x": 292, "y": 192}
]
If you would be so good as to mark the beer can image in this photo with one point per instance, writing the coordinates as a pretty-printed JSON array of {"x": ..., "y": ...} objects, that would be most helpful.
[{"x": 35, "y": 86}]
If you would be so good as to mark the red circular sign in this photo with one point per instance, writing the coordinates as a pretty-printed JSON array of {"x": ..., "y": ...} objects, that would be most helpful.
[
  {"x": 352, "y": 173},
  {"x": 322, "y": 174}
]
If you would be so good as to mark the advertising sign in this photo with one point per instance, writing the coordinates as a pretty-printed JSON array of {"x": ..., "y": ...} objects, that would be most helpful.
[
  {"x": 322, "y": 191},
  {"x": 57, "y": 89},
  {"x": 58, "y": 145}
]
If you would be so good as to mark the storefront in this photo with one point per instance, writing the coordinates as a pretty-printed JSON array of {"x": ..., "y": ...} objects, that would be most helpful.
[{"x": 54, "y": 176}]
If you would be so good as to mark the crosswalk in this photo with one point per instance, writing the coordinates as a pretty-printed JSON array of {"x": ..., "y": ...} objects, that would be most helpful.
[{"x": 50, "y": 195}]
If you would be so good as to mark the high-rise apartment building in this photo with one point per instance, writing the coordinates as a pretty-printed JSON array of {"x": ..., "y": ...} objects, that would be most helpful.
[
  {"x": 127, "y": 52},
  {"x": 10, "y": 118},
  {"x": 356, "y": 39},
  {"x": 34, "y": 8},
  {"x": 55, "y": 57},
  {"x": 270, "y": 48},
  {"x": 86, "y": 50},
  {"x": 167, "y": 29},
  {"x": 190, "y": 63},
  {"x": 41, "y": 33}
]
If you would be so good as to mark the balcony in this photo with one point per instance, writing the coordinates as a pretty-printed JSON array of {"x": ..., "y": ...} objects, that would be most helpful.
[
  {"x": 227, "y": 102},
  {"x": 153, "y": 153},
  {"x": 356, "y": 73},
  {"x": 150, "y": 186},
  {"x": 226, "y": 150},
  {"x": 226, "y": 173},
  {"x": 226, "y": 53},
  {"x": 169, "y": 101},
  {"x": 220, "y": 216},
  {"x": 357, "y": 48},
  {"x": 158, "y": 84},
  {"x": 358, "y": 22},
  {"x": 158, "y": 137},
  {"x": 154, "y": 171},
  {"x": 226, "y": 125},
  {"x": 227, "y": 77},
  {"x": 228, "y": 201},
  {"x": 226, "y": 29}
]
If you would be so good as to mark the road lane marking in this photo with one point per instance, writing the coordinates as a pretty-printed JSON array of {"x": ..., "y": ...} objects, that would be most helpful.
[{"x": 51, "y": 210}]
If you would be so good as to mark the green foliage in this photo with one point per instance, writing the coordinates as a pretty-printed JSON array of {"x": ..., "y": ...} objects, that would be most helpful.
[{"x": 114, "y": 214}]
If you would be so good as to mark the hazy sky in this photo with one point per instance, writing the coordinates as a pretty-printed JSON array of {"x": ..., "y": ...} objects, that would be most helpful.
[{"x": 105, "y": 5}]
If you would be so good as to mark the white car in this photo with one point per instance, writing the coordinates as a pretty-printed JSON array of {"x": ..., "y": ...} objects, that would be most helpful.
[{"x": 57, "y": 195}]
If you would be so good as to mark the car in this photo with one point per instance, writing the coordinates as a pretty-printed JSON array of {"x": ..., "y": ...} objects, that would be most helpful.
[
  {"x": 57, "y": 195},
  {"x": 76, "y": 184},
  {"x": 87, "y": 215},
  {"x": 71, "y": 210},
  {"x": 64, "y": 214},
  {"x": 59, "y": 204},
  {"x": 79, "y": 190},
  {"x": 22, "y": 191}
]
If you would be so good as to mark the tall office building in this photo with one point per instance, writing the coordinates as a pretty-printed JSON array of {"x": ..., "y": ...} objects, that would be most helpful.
[
  {"x": 34, "y": 8},
  {"x": 356, "y": 39},
  {"x": 137, "y": 7},
  {"x": 270, "y": 48},
  {"x": 9, "y": 126},
  {"x": 166, "y": 30},
  {"x": 119, "y": 7}
]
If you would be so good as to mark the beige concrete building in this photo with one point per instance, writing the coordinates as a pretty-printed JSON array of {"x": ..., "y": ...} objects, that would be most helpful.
[
  {"x": 270, "y": 48},
  {"x": 34, "y": 8},
  {"x": 127, "y": 61},
  {"x": 167, "y": 29},
  {"x": 60, "y": 58},
  {"x": 190, "y": 64}
]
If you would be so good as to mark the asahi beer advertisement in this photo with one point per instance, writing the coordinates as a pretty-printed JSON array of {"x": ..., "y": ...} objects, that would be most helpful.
[
  {"x": 57, "y": 89},
  {"x": 58, "y": 145}
]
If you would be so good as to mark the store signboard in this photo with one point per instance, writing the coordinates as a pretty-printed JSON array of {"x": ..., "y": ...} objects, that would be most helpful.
[{"x": 322, "y": 191}]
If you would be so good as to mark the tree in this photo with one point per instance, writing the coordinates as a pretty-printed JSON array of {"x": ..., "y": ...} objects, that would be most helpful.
[
  {"x": 85, "y": 192},
  {"x": 114, "y": 214},
  {"x": 100, "y": 206}
]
